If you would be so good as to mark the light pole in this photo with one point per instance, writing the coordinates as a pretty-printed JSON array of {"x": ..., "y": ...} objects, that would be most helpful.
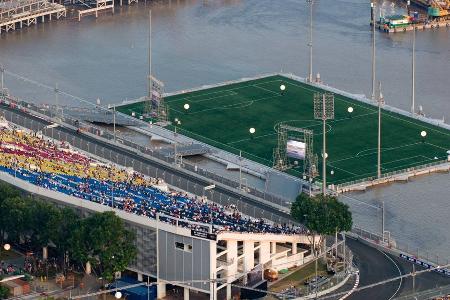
[
  {"x": 372, "y": 8},
  {"x": 240, "y": 170},
  {"x": 324, "y": 110},
  {"x": 2, "y": 79},
  {"x": 310, "y": 44},
  {"x": 382, "y": 221},
  {"x": 114, "y": 121},
  {"x": 413, "y": 69},
  {"x": 380, "y": 102},
  {"x": 350, "y": 111},
  {"x": 175, "y": 155},
  {"x": 423, "y": 134},
  {"x": 252, "y": 131},
  {"x": 282, "y": 89}
]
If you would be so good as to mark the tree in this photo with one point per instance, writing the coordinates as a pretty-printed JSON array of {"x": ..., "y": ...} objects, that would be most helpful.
[
  {"x": 103, "y": 241},
  {"x": 6, "y": 191},
  {"x": 68, "y": 222},
  {"x": 44, "y": 222},
  {"x": 4, "y": 292},
  {"x": 323, "y": 215},
  {"x": 15, "y": 217}
]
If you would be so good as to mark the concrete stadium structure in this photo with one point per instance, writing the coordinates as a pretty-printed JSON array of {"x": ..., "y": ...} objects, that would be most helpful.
[
  {"x": 195, "y": 260},
  {"x": 201, "y": 260}
]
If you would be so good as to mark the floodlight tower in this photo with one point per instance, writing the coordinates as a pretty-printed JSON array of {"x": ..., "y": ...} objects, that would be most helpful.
[
  {"x": 310, "y": 44},
  {"x": 413, "y": 67},
  {"x": 324, "y": 110},
  {"x": 372, "y": 9},
  {"x": 148, "y": 105}
]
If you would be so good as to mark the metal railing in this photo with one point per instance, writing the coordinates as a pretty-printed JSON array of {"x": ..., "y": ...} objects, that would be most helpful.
[{"x": 404, "y": 171}]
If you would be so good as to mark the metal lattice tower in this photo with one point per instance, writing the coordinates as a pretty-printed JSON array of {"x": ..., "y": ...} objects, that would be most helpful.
[
  {"x": 324, "y": 110},
  {"x": 280, "y": 161},
  {"x": 148, "y": 103},
  {"x": 162, "y": 113},
  {"x": 280, "y": 158}
]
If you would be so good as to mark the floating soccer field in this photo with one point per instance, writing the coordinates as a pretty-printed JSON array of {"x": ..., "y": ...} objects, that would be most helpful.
[{"x": 222, "y": 116}]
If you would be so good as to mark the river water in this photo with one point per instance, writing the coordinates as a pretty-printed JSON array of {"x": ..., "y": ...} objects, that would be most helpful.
[{"x": 202, "y": 42}]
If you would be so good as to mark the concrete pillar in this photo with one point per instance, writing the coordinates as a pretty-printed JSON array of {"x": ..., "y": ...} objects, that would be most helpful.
[
  {"x": 273, "y": 248},
  {"x": 249, "y": 255},
  {"x": 140, "y": 277},
  {"x": 264, "y": 253},
  {"x": 228, "y": 291},
  {"x": 161, "y": 290},
  {"x": 88, "y": 268},
  {"x": 186, "y": 293},
  {"x": 232, "y": 257},
  {"x": 294, "y": 248},
  {"x": 44, "y": 253}
]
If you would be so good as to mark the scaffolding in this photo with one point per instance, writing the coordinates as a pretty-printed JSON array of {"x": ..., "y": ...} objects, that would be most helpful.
[
  {"x": 281, "y": 160},
  {"x": 155, "y": 106},
  {"x": 14, "y": 14}
]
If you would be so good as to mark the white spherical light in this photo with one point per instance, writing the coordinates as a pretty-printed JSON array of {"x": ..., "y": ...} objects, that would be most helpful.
[
  {"x": 118, "y": 295},
  {"x": 282, "y": 87},
  {"x": 350, "y": 109},
  {"x": 252, "y": 130},
  {"x": 186, "y": 106},
  {"x": 423, "y": 133},
  {"x": 7, "y": 247},
  {"x": 332, "y": 172}
]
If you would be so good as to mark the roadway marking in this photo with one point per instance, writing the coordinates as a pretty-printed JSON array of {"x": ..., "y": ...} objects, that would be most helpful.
[
  {"x": 399, "y": 273},
  {"x": 353, "y": 289}
]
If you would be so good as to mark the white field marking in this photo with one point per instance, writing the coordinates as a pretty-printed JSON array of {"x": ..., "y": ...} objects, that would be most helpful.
[
  {"x": 263, "y": 88},
  {"x": 225, "y": 94},
  {"x": 405, "y": 158},
  {"x": 385, "y": 149},
  {"x": 243, "y": 104},
  {"x": 334, "y": 167},
  {"x": 330, "y": 128},
  {"x": 382, "y": 150},
  {"x": 422, "y": 162},
  {"x": 399, "y": 273},
  {"x": 248, "y": 139},
  {"x": 446, "y": 149},
  {"x": 234, "y": 105},
  {"x": 220, "y": 91},
  {"x": 390, "y": 114}
]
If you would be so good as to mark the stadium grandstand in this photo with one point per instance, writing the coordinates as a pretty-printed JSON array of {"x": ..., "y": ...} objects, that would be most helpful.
[{"x": 180, "y": 237}]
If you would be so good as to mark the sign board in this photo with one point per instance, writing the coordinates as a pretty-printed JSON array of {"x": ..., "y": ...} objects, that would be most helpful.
[
  {"x": 204, "y": 235},
  {"x": 425, "y": 265},
  {"x": 296, "y": 149}
]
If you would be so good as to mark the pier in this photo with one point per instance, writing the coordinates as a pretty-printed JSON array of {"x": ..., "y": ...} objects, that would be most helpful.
[{"x": 15, "y": 14}]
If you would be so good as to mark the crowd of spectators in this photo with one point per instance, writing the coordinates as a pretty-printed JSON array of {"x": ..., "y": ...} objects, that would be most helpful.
[{"x": 57, "y": 166}]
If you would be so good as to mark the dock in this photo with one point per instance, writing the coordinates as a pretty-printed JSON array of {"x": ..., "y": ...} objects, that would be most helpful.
[
  {"x": 420, "y": 26},
  {"x": 15, "y": 14}
]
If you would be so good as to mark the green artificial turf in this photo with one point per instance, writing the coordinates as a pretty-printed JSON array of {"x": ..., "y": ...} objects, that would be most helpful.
[{"x": 222, "y": 117}]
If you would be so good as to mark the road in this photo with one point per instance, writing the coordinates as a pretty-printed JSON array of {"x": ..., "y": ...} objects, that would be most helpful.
[{"x": 375, "y": 265}]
